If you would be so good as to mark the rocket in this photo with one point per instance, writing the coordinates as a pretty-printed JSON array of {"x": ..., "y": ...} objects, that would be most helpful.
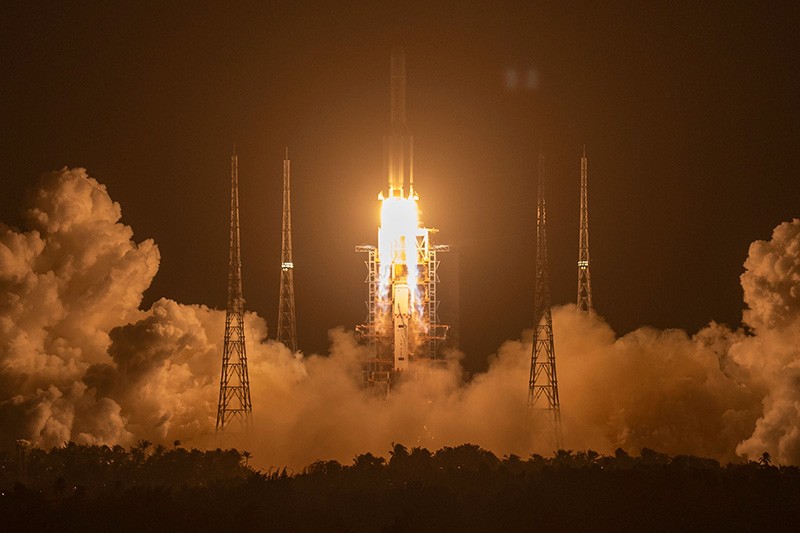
[
  {"x": 399, "y": 147},
  {"x": 402, "y": 324}
]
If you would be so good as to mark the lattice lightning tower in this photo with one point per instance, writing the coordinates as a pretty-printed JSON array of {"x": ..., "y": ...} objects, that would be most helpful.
[
  {"x": 287, "y": 328},
  {"x": 543, "y": 401},
  {"x": 584, "y": 277},
  {"x": 234, "y": 384}
]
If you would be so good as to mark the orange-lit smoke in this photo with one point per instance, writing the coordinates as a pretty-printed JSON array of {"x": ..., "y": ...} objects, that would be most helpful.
[{"x": 80, "y": 361}]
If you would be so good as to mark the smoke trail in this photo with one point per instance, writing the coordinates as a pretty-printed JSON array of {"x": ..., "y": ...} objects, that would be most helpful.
[{"x": 80, "y": 361}]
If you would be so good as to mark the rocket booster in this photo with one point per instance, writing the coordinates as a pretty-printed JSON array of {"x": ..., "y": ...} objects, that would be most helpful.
[{"x": 400, "y": 143}]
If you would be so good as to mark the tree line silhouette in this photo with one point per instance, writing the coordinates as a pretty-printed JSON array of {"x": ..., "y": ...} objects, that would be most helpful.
[{"x": 461, "y": 488}]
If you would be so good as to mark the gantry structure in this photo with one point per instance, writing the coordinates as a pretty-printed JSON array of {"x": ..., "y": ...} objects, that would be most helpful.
[
  {"x": 234, "y": 386},
  {"x": 385, "y": 329},
  {"x": 543, "y": 402},
  {"x": 584, "y": 276},
  {"x": 287, "y": 327}
]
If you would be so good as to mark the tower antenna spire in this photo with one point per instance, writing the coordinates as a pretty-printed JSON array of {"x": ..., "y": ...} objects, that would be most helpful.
[
  {"x": 543, "y": 402},
  {"x": 234, "y": 384},
  {"x": 584, "y": 276},
  {"x": 287, "y": 328}
]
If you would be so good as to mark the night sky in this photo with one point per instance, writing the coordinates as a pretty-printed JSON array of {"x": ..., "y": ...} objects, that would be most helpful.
[{"x": 689, "y": 114}]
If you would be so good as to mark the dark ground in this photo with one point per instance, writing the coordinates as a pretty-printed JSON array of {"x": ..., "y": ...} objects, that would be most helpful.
[{"x": 453, "y": 489}]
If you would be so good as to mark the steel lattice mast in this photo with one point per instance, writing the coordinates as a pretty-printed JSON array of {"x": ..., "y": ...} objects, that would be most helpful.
[
  {"x": 543, "y": 383},
  {"x": 234, "y": 384},
  {"x": 287, "y": 329},
  {"x": 584, "y": 277}
]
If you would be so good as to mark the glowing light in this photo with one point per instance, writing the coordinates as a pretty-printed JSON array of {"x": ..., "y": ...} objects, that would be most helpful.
[
  {"x": 397, "y": 240},
  {"x": 399, "y": 236}
]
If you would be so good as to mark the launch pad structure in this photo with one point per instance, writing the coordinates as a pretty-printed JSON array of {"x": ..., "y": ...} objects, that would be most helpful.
[{"x": 402, "y": 323}]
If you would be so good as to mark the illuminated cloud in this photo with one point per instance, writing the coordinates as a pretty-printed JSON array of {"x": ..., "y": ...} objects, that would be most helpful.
[
  {"x": 80, "y": 361},
  {"x": 771, "y": 284},
  {"x": 64, "y": 284}
]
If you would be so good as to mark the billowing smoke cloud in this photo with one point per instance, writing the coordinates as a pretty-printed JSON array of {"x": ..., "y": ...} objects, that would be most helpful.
[
  {"x": 64, "y": 285},
  {"x": 658, "y": 389},
  {"x": 771, "y": 284},
  {"x": 80, "y": 361}
]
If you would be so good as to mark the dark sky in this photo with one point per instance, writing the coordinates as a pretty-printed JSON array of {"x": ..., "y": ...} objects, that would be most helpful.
[{"x": 689, "y": 113}]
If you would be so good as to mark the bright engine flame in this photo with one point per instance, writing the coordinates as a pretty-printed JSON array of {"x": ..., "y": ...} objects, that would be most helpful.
[{"x": 397, "y": 242}]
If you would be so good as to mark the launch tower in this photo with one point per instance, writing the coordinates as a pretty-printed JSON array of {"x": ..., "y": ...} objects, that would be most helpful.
[
  {"x": 584, "y": 278},
  {"x": 402, "y": 323},
  {"x": 543, "y": 402},
  {"x": 234, "y": 385},
  {"x": 287, "y": 329}
]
